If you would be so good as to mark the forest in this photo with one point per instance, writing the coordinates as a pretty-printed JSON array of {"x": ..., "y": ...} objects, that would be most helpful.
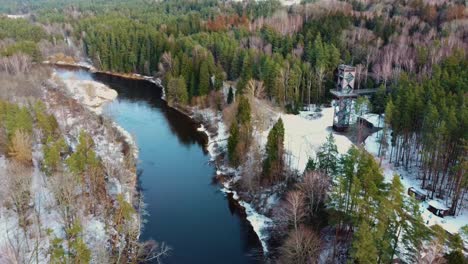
[{"x": 413, "y": 53}]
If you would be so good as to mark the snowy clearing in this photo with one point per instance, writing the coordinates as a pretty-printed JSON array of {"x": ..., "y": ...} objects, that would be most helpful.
[
  {"x": 409, "y": 178},
  {"x": 306, "y": 132}
]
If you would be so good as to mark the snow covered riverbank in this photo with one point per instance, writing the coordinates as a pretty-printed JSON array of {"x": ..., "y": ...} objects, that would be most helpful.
[
  {"x": 217, "y": 144},
  {"x": 69, "y": 104},
  {"x": 304, "y": 134}
]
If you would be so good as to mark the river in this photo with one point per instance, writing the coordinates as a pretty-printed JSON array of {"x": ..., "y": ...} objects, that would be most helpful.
[{"x": 186, "y": 208}]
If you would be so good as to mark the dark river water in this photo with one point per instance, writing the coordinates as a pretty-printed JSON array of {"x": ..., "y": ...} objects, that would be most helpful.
[{"x": 185, "y": 207}]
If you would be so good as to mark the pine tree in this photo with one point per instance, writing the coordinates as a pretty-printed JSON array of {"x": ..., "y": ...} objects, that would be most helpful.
[
  {"x": 390, "y": 219},
  {"x": 240, "y": 132},
  {"x": 328, "y": 156},
  {"x": 347, "y": 176},
  {"x": 177, "y": 90},
  {"x": 52, "y": 153},
  {"x": 243, "y": 111},
  {"x": 84, "y": 157},
  {"x": 219, "y": 77},
  {"x": 379, "y": 100},
  {"x": 364, "y": 247},
  {"x": 230, "y": 97},
  {"x": 77, "y": 247},
  {"x": 233, "y": 140},
  {"x": 204, "y": 75},
  {"x": 415, "y": 232},
  {"x": 273, "y": 163},
  {"x": 311, "y": 165}
]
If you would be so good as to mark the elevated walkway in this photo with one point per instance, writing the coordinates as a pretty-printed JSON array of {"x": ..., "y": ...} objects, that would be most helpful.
[{"x": 354, "y": 93}]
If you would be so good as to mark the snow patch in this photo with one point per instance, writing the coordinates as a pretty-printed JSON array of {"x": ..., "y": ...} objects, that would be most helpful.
[
  {"x": 259, "y": 222},
  {"x": 306, "y": 132},
  {"x": 376, "y": 120},
  {"x": 90, "y": 93}
]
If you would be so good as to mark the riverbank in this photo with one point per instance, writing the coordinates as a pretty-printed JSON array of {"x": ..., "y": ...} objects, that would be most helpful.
[
  {"x": 64, "y": 193},
  {"x": 93, "y": 96},
  {"x": 212, "y": 126},
  {"x": 89, "y": 67},
  {"x": 304, "y": 134},
  {"x": 78, "y": 110}
]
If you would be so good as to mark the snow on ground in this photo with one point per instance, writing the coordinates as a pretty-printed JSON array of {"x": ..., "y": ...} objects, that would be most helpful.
[
  {"x": 86, "y": 64},
  {"x": 306, "y": 132},
  {"x": 216, "y": 144},
  {"x": 376, "y": 120},
  {"x": 8, "y": 221},
  {"x": 452, "y": 224},
  {"x": 92, "y": 94},
  {"x": 259, "y": 222},
  {"x": 11, "y": 235},
  {"x": 95, "y": 236},
  {"x": 12, "y": 16}
]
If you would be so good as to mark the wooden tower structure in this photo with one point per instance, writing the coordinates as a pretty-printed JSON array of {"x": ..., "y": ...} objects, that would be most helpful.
[{"x": 344, "y": 95}]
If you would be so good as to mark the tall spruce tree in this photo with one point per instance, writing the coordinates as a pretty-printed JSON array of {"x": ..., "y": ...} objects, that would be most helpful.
[
  {"x": 274, "y": 161},
  {"x": 233, "y": 140},
  {"x": 364, "y": 248},
  {"x": 328, "y": 156},
  {"x": 230, "y": 97},
  {"x": 240, "y": 132},
  {"x": 204, "y": 79}
]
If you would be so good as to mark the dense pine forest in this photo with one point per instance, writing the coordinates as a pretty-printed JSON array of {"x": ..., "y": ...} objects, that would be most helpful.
[{"x": 414, "y": 53}]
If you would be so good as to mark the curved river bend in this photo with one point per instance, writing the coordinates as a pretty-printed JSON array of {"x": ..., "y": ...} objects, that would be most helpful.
[{"x": 186, "y": 208}]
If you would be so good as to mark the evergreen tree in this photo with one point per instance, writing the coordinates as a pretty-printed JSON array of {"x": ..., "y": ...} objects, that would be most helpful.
[
  {"x": 311, "y": 165},
  {"x": 177, "y": 90},
  {"x": 243, "y": 111},
  {"x": 52, "y": 153},
  {"x": 233, "y": 140},
  {"x": 230, "y": 97},
  {"x": 415, "y": 232},
  {"x": 274, "y": 149},
  {"x": 328, "y": 156},
  {"x": 364, "y": 247},
  {"x": 240, "y": 132},
  {"x": 219, "y": 77},
  {"x": 379, "y": 100},
  {"x": 204, "y": 75},
  {"x": 84, "y": 158},
  {"x": 390, "y": 218}
]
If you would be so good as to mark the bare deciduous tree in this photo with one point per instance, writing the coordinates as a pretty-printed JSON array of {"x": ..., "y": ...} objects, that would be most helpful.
[
  {"x": 17, "y": 63},
  {"x": 19, "y": 177},
  {"x": 64, "y": 187},
  {"x": 20, "y": 148},
  {"x": 301, "y": 247},
  {"x": 315, "y": 187},
  {"x": 251, "y": 169},
  {"x": 292, "y": 210},
  {"x": 153, "y": 251}
]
